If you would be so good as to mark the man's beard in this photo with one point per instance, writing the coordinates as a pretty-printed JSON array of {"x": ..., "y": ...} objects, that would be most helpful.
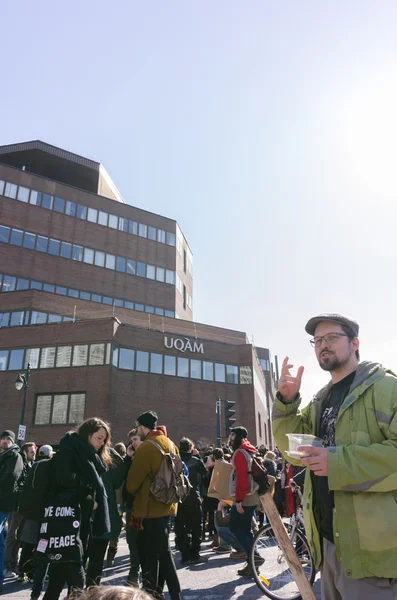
[
  {"x": 332, "y": 362},
  {"x": 236, "y": 443}
]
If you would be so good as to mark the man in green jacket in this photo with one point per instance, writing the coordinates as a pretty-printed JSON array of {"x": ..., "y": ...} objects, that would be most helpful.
[{"x": 350, "y": 498}]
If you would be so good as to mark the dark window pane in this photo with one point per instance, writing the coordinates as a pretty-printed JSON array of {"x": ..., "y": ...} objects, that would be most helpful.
[
  {"x": 36, "y": 285},
  {"x": 142, "y": 230},
  {"x": 131, "y": 267},
  {"x": 4, "y": 322},
  {"x": 120, "y": 264},
  {"x": 41, "y": 243},
  {"x": 81, "y": 212},
  {"x": 59, "y": 205},
  {"x": 70, "y": 208},
  {"x": 26, "y": 317},
  {"x": 142, "y": 361},
  {"x": 118, "y": 303},
  {"x": 123, "y": 224},
  {"x": 23, "y": 284},
  {"x": 16, "y": 318},
  {"x": 141, "y": 269},
  {"x": 77, "y": 253},
  {"x": 3, "y": 359},
  {"x": 35, "y": 198},
  {"x": 16, "y": 359},
  {"x": 9, "y": 283},
  {"x": 73, "y": 293},
  {"x": 85, "y": 296},
  {"x": 62, "y": 291},
  {"x": 4, "y": 234},
  {"x": 66, "y": 250},
  {"x": 170, "y": 238},
  {"x": 48, "y": 287},
  {"x": 107, "y": 300},
  {"x": 53, "y": 247},
  {"x": 151, "y": 233},
  {"x": 96, "y": 298},
  {"x": 29, "y": 241},
  {"x": 133, "y": 227},
  {"x": 126, "y": 359},
  {"x": 16, "y": 237},
  {"x": 113, "y": 221},
  {"x": 46, "y": 201},
  {"x": 231, "y": 374}
]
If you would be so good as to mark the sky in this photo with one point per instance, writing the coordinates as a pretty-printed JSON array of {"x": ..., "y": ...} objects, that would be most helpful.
[{"x": 268, "y": 131}]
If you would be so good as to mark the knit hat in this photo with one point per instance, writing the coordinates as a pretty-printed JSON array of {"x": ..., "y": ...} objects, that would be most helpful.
[
  {"x": 148, "y": 419},
  {"x": 46, "y": 450},
  {"x": 270, "y": 455},
  {"x": 239, "y": 431},
  {"x": 10, "y": 434}
]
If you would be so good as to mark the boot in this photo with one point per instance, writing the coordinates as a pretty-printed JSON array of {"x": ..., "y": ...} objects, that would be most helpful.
[
  {"x": 246, "y": 571},
  {"x": 215, "y": 541}
]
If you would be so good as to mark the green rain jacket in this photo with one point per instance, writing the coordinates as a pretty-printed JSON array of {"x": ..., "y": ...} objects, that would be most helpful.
[{"x": 362, "y": 470}]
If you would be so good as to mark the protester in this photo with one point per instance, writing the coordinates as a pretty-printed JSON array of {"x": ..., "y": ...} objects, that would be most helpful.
[
  {"x": 120, "y": 449},
  {"x": 11, "y": 467},
  {"x": 229, "y": 540},
  {"x": 209, "y": 504},
  {"x": 150, "y": 514},
  {"x": 112, "y": 592},
  {"x": 77, "y": 491},
  {"x": 350, "y": 485},
  {"x": 130, "y": 528}
]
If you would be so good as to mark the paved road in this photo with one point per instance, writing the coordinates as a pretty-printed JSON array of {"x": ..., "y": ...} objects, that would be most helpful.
[{"x": 215, "y": 580}]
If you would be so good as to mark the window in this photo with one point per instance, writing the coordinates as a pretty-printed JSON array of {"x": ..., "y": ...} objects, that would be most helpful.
[
  {"x": 54, "y": 247},
  {"x": 169, "y": 313},
  {"x": 16, "y": 360},
  {"x": 16, "y": 318},
  {"x": 161, "y": 236},
  {"x": 29, "y": 241},
  {"x": 36, "y": 285},
  {"x": 23, "y": 284},
  {"x": 43, "y": 410},
  {"x": 150, "y": 271},
  {"x": 123, "y": 224},
  {"x": 3, "y": 359},
  {"x": 4, "y": 320},
  {"x": 10, "y": 190},
  {"x": 170, "y": 277},
  {"x": 38, "y": 318},
  {"x": 131, "y": 267},
  {"x": 156, "y": 363},
  {"x": 120, "y": 264},
  {"x": 62, "y": 291},
  {"x": 59, "y": 409},
  {"x": 183, "y": 367},
  {"x": 103, "y": 218},
  {"x": 66, "y": 250},
  {"x": 1, "y": 186},
  {"x": 23, "y": 194},
  {"x": 46, "y": 201},
  {"x": 113, "y": 221},
  {"x": 169, "y": 365},
  {"x": 115, "y": 356},
  {"x": 54, "y": 318},
  {"x": 231, "y": 374},
  {"x": 99, "y": 258},
  {"x": 245, "y": 375},
  {"x": 76, "y": 408},
  {"x": 129, "y": 305},
  {"x": 89, "y": 256},
  {"x": 48, "y": 287},
  {"x": 160, "y": 274},
  {"x": 47, "y": 358},
  {"x": 170, "y": 238},
  {"x": 107, "y": 300},
  {"x": 151, "y": 233},
  {"x": 70, "y": 208},
  {"x": 220, "y": 373},
  {"x": 42, "y": 243},
  {"x": 97, "y": 354},
  {"x": 142, "y": 230},
  {"x": 110, "y": 261},
  {"x": 139, "y": 307},
  {"x": 4, "y": 234},
  {"x": 77, "y": 253},
  {"x": 133, "y": 227},
  {"x": 126, "y": 359},
  {"x": 32, "y": 357},
  {"x": 142, "y": 361},
  {"x": 64, "y": 356},
  {"x": 149, "y": 309},
  {"x": 118, "y": 302},
  {"x": 35, "y": 198},
  {"x": 159, "y": 311},
  {"x": 16, "y": 237},
  {"x": 184, "y": 297},
  {"x": 184, "y": 260},
  {"x": 80, "y": 354},
  {"x": 96, "y": 298},
  {"x": 195, "y": 369},
  {"x": 260, "y": 424},
  {"x": 141, "y": 269},
  {"x": 85, "y": 296},
  {"x": 59, "y": 205},
  {"x": 208, "y": 371},
  {"x": 92, "y": 215},
  {"x": 9, "y": 283},
  {"x": 81, "y": 212}
]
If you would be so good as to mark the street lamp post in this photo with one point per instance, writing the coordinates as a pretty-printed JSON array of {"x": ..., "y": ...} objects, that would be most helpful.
[{"x": 22, "y": 381}]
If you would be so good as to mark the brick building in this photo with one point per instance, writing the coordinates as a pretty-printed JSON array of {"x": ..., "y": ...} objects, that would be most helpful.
[{"x": 96, "y": 295}]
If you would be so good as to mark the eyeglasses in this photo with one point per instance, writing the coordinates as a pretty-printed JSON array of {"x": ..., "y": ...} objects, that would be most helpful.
[{"x": 329, "y": 339}]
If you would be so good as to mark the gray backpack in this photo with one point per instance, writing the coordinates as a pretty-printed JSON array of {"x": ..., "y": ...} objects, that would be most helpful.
[
  {"x": 170, "y": 484},
  {"x": 252, "y": 485}
]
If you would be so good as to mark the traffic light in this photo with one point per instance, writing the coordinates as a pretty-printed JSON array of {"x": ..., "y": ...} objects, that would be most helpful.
[{"x": 229, "y": 416}]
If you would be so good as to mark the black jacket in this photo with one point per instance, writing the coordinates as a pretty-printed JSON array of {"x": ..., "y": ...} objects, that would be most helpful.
[
  {"x": 11, "y": 467},
  {"x": 35, "y": 492},
  {"x": 197, "y": 471}
]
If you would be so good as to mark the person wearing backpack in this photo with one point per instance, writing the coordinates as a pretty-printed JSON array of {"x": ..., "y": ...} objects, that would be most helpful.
[{"x": 151, "y": 514}]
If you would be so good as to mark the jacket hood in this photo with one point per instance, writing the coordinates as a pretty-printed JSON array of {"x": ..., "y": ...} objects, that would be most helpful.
[
  {"x": 160, "y": 430},
  {"x": 11, "y": 451},
  {"x": 246, "y": 445}
]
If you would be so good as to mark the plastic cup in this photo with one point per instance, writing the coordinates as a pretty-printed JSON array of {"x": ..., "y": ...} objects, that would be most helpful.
[{"x": 302, "y": 439}]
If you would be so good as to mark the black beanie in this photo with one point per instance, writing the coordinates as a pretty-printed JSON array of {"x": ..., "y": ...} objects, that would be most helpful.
[
  {"x": 148, "y": 419},
  {"x": 240, "y": 431},
  {"x": 10, "y": 434}
]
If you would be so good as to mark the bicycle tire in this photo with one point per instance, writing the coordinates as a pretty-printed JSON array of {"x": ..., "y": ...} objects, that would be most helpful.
[{"x": 283, "y": 586}]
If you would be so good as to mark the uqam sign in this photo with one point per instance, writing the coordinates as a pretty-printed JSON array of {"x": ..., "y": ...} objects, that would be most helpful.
[{"x": 183, "y": 345}]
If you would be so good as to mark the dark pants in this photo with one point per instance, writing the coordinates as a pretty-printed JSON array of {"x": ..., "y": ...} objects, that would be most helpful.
[
  {"x": 240, "y": 525},
  {"x": 40, "y": 570},
  {"x": 96, "y": 556},
  {"x": 26, "y": 566},
  {"x": 188, "y": 530},
  {"x": 132, "y": 540},
  {"x": 70, "y": 573},
  {"x": 156, "y": 559}
]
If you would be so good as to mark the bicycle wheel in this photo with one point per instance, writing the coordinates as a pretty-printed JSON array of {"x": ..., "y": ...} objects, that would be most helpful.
[{"x": 276, "y": 579}]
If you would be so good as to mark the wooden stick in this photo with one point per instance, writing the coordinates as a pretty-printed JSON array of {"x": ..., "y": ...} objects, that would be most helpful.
[{"x": 270, "y": 509}]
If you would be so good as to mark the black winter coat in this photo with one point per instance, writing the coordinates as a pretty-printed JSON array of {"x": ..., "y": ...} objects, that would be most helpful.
[
  {"x": 197, "y": 471},
  {"x": 11, "y": 467}
]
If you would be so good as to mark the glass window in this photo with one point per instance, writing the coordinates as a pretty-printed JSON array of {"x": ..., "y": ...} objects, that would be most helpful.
[
  {"x": 48, "y": 287},
  {"x": 76, "y": 408},
  {"x": 16, "y": 360},
  {"x": 99, "y": 258},
  {"x": 46, "y": 201},
  {"x": 4, "y": 234},
  {"x": 68, "y": 319},
  {"x": 73, "y": 293},
  {"x": 3, "y": 359},
  {"x": 77, "y": 253},
  {"x": 70, "y": 208},
  {"x": 38, "y": 318},
  {"x": 54, "y": 318},
  {"x": 115, "y": 356},
  {"x": 126, "y": 359},
  {"x": 139, "y": 307},
  {"x": 169, "y": 313},
  {"x": 141, "y": 269},
  {"x": 4, "y": 319},
  {"x": 150, "y": 271},
  {"x": 62, "y": 291},
  {"x": 245, "y": 375},
  {"x": 16, "y": 237},
  {"x": 142, "y": 361},
  {"x": 151, "y": 233},
  {"x": 23, "y": 284},
  {"x": 66, "y": 250},
  {"x": 43, "y": 410},
  {"x": 54, "y": 247},
  {"x": 118, "y": 302},
  {"x": 183, "y": 367},
  {"x": 89, "y": 256},
  {"x": 123, "y": 224},
  {"x": 103, "y": 218},
  {"x": 120, "y": 264},
  {"x": 1, "y": 186},
  {"x": 133, "y": 227},
  {"x": 161, "y": 236},
  {"x": 10, "y": 190},
  {"x": 195, "y": 369},
  {"x": 110, "y": 261},
  {"x": 92, "y": 215},
  {"x": 26, "y": 319},
  {"x": 96, "y": 298},
  {"x": 170, "y": 277},
  {"x": 97, "y": 354},
  {"x": 160, "y": 312},
  {"x": 16, "y": 318},
  {"x": 41, "y": 243},
  {"x": 81, "y": 212},
  {"x": 220, "y": 373},
  {"x": 160, "y": 274},
  {"x": 142, "y": 230},
  {"x": 170, "y": 238},
  {"x": 47, "y": 358},
  {"x": 108, "y": 351},
  {"x": 85, "y": 296},
  {"x": 35, "y": 198},
  {"x": 32, "y": 358},
  {"x": 29, "y": 241},
  {"x": 107, "y": 300},
  {"x": 149, "y": 309},
  {"x": 23, "y": 194},
  {"x": 131, "y": 267},
  {"x": 231, "y": 374},
  {"x": 64, "y": 356},
  {"x": 36, "y": 285},
  {"x": 156, "y": 363},
  {"x": 80, "y": 354},
  {"x": 129, "y": 305},
  {"x": 208, "y": 371},
  {"x": 59, "y": 409},
  {"x": 59, "y": 205},
  {"x": 9, "y": 283},
  {"x": 113, "y": 221}
]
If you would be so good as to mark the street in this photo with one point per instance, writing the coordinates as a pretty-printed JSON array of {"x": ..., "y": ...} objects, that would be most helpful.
[{"x": 215, "y": 580}]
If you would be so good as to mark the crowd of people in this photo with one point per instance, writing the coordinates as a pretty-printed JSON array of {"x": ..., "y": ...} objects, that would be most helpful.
[{"x": 62, "y": 513}]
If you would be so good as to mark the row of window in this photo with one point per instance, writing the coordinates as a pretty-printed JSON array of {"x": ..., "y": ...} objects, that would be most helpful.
[
  {"x": 40, "y": 243},
  {"x": 19, "y": 318},
  {"x": 10, "y": 283},
  {"x": 184, "y": 253},
  {"x": 59, "y": 409},
  {"x": 187, "y": 298},
  {"x": 80, "y": 211},
  {"x": 82, "y": 355}
]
